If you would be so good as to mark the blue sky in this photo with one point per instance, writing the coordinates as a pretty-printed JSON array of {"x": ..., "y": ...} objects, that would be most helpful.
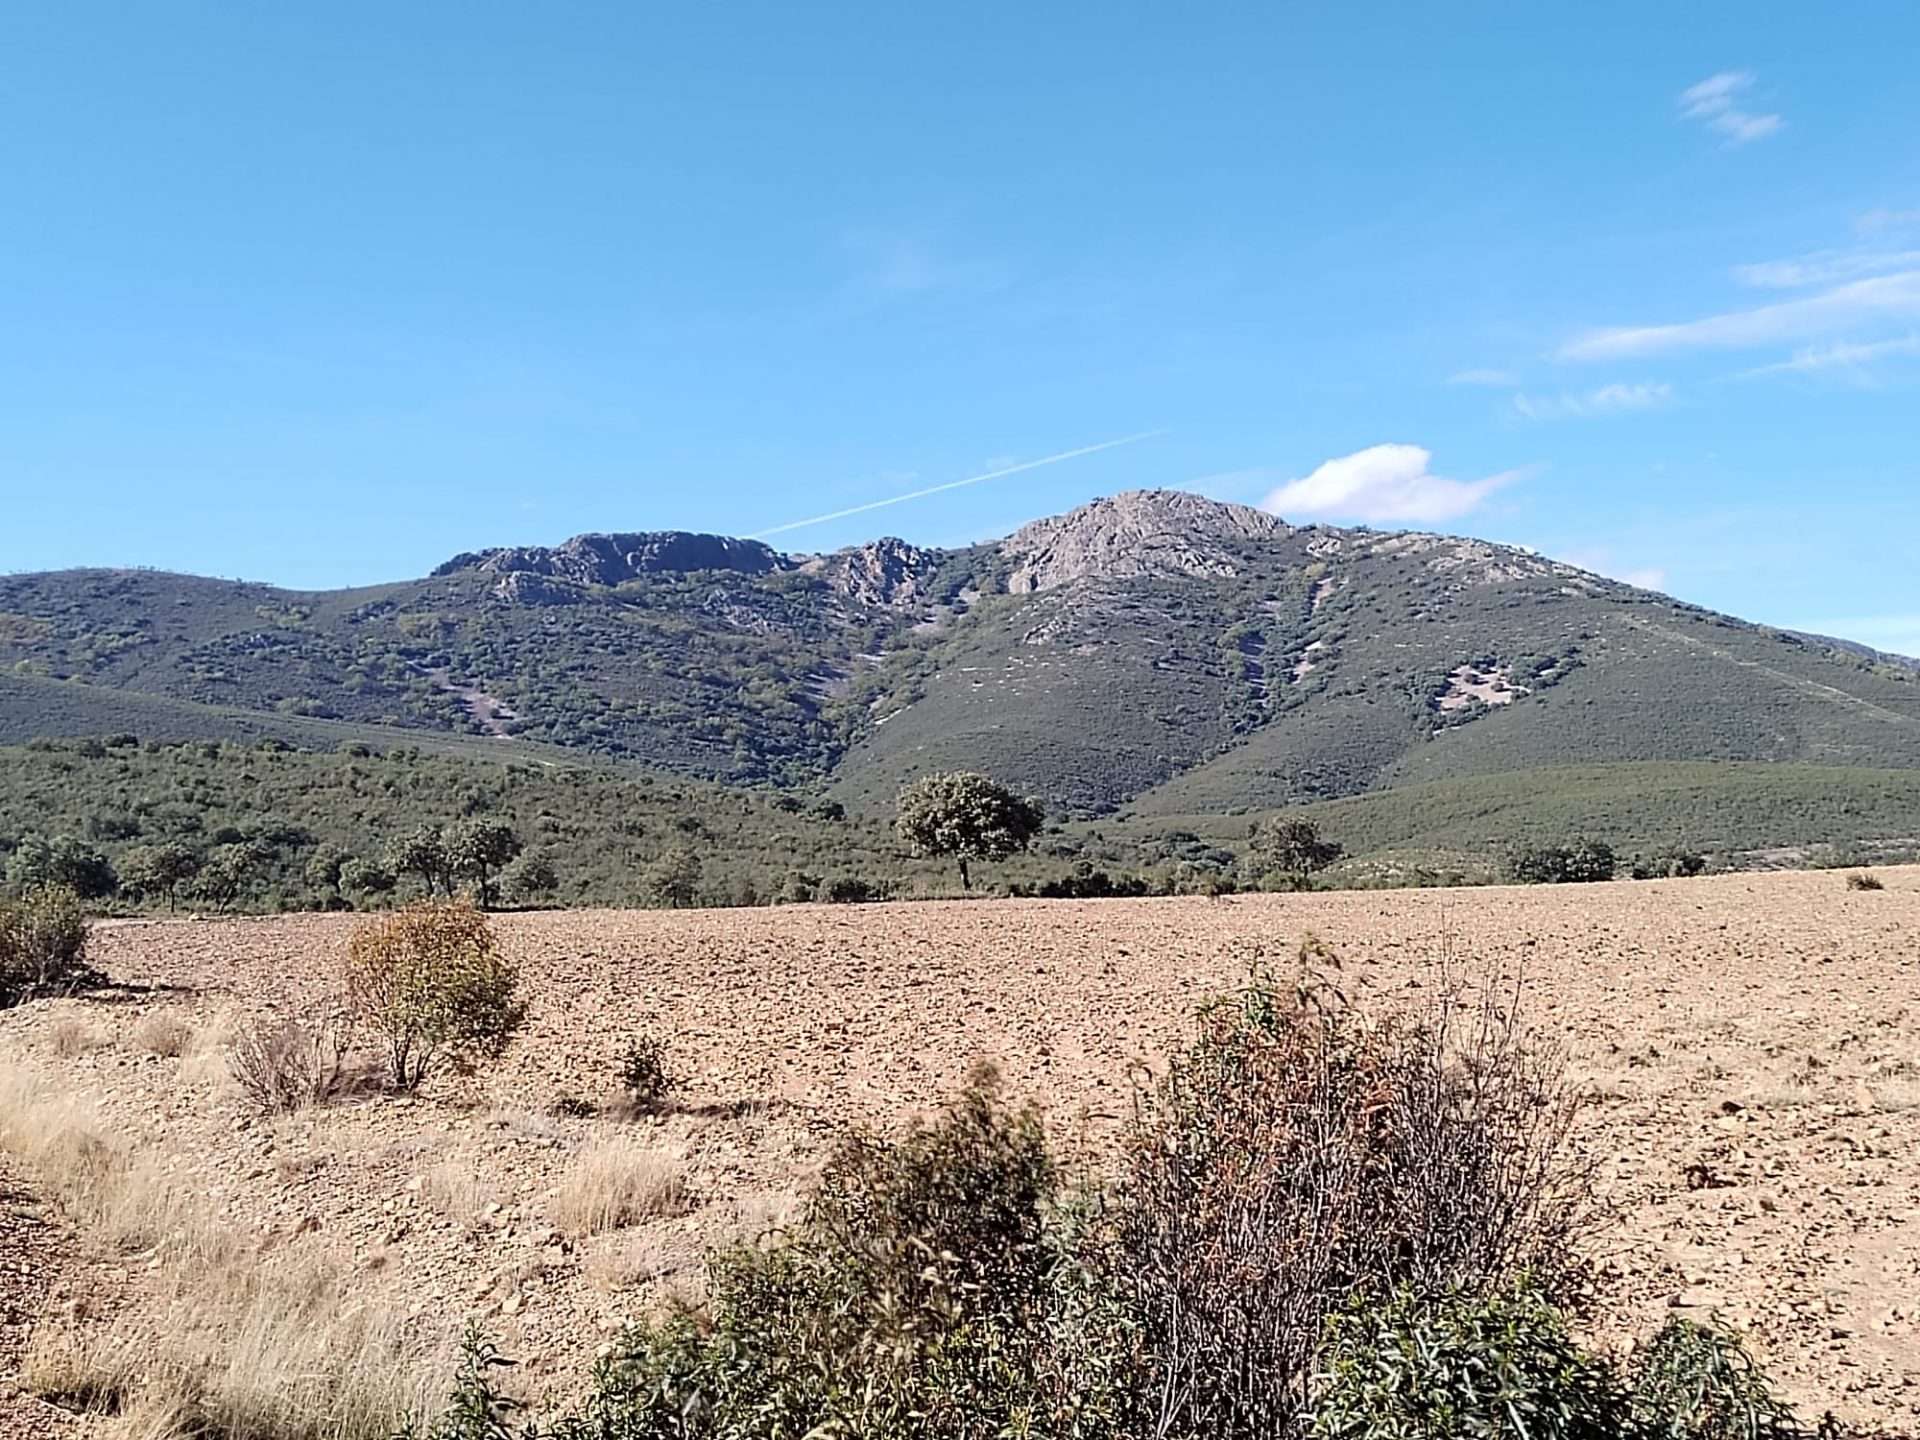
[{"x": 323, "y": 294}]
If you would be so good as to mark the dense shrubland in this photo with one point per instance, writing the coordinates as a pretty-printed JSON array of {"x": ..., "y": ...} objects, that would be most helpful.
[{"x": 221, "y": 826}]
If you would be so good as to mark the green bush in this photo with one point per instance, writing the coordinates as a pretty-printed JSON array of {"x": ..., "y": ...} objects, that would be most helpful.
[
  {"x": 643, "y": 1073},
  {"x": 43, "y": 944},
  {"x": 1087, "y": 883},
  {"x": 852, "y": 890},
  {"x": 920, "y": 1295},
  {"x": 1460, "y": 1367},
  {"x": 1584, "y": 862},
  {"x": 1670, "y": 864},
  {"x": 673, "y": 880},
  {"x": 1326, "y": 1229},
  {"x": 1865, "y": 880},
  {"x": 1695, "y": 1383}
]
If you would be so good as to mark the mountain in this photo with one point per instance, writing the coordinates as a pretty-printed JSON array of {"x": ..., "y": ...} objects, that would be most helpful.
[{"x": 1155, "y": 654}]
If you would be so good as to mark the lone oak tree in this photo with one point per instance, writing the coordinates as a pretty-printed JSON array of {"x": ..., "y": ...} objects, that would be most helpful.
[{"x": 965, "y": 817}]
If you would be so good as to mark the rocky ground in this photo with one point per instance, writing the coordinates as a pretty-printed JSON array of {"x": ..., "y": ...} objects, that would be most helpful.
[{"x": 1751, "y": 1042}]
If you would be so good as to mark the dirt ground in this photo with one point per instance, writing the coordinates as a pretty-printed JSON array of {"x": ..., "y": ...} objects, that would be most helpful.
[{"x": 1752, "y": 1042}]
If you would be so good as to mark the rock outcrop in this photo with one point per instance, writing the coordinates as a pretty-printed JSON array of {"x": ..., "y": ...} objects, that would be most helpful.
[
  {"x": 1140, "y": 532},
  {"x": 888, "y": 573},
  {"x": 611, "y": 559}
]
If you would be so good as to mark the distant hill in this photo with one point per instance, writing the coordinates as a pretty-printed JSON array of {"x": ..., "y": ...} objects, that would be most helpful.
[{"x": 1155, "y": 653}]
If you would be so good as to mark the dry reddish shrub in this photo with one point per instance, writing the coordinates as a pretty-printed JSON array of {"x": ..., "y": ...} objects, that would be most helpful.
[
  {"x": 1298, "y": 1154},
  {"x": 430, "y": 981},
  {"x": 285, "y": 1064}
]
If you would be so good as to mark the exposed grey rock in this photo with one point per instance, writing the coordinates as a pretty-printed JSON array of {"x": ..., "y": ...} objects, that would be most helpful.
[
  {"x": 1141, "y": 532},
  {"x": 611, "y": 559},
  {"x": 887, "y": 572}
]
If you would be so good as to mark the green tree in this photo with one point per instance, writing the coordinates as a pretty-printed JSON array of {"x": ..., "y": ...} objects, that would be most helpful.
[
  {"x": 366, "y": 878},
  {"x": 323, "y": 869},
  {"x": 673, "y": 880},
  {"x": 965, "y": 817},
  {"x": 159, "y": 870},
  {"x": 532, "y": 877},
  {"x": 230, "y": 872},
  {"x": 424, "y": 853},
  {"x": 479, "y": 850},
  {"x": 1290, "y": 847},
  {"x": 69, "y": 863}
]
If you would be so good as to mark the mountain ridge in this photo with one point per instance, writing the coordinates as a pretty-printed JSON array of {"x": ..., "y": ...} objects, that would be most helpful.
[{"x": 1152, "y": 651}]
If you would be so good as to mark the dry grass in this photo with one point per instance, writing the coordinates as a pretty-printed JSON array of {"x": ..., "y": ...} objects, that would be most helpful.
[
  {"x": 616, "y": 1181},
  {"x": 69, "y": 1036},
  {"x": 636, "y": 1259},
  {"x": 250, "y": 1346},
  {"x": 165, "y": 1033},
  {"x": 456, "y": 1190},
  {"x": 79, "y": 1369}
]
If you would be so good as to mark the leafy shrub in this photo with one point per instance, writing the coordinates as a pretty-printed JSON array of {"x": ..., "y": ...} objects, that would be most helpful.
[
  {"x": 283, "y": 1064},
  {"x": 63, "y": 863},
  {"x": 1291, "y": 849},
  {"x": 644, "y": 1076},
  {"x": 673, "y": 880},
  {"x": 366, "y": 878},
  {"x": 1692, "y": 1382},
  {"x": 532, "y": 877},
  {"x": 1865, "y": 880},
  {"x": 1670, "y": 864},
  {"x": 1459, "y": 1365},
  {"x": 798, "y": 888},
  {"x": 477, "y": 1409},
  {"x": 43, "y": 944},
  {"x": 852, "y": 890},
  {"x": 1582, "y": 863},
  {"x": 1087, "y": 883},
  {"x": 916, "y": 1297},
  {"x": 430, "y": 981},
  {"x": 1295, "y": 1154}
]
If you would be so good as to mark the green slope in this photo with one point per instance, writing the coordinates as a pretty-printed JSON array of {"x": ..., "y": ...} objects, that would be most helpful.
[{"x": 1729, "y": 810}]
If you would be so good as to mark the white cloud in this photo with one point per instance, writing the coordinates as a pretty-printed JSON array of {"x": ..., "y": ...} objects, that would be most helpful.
[
  {"x": 1830, "y": 310},
  {"x": 1714, "y": 103},
  {"x": 1828, "y": 267},
  {"x": 1496, "y": 379},
  {"x": 1385, "y": 484},
  {"x": 1616, "y": 399},
  {"x": 1841, "y": 355}
]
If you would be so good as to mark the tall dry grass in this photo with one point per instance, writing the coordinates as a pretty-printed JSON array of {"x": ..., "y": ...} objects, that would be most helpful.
[
  {"x": 232, "y": 1343},
  {"x": 616, "y": 1181}
]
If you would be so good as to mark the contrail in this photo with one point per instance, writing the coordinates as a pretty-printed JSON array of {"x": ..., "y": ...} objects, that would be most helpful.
[{"x": 955, "y": 484}]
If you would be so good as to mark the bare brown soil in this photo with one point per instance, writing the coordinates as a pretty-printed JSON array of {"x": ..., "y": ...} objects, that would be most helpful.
[{"x": 1753, "y": 1044}]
